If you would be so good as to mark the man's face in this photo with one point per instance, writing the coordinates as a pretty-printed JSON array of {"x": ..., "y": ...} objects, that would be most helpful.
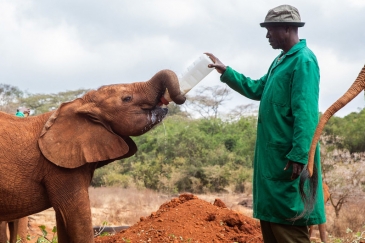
[{"x": 277, "y": 36}]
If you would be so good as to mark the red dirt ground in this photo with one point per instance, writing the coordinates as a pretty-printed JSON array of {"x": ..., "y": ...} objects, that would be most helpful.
[{"x": 190, "y": 219}]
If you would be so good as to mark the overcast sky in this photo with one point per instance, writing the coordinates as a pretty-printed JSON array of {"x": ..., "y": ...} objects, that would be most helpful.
[{"x": 49, "y": 46}]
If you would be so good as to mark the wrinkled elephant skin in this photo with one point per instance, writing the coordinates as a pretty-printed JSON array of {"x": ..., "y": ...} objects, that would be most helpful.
[{"x": 49, "y": 160}]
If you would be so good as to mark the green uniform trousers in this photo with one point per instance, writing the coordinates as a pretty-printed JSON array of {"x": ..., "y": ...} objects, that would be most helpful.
[{"x": 283, "y": 233}]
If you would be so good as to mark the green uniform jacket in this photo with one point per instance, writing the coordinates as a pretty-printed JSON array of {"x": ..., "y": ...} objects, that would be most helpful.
[
  {"x": 287, "y": 119},
  {"x": 19, "y": 114}
]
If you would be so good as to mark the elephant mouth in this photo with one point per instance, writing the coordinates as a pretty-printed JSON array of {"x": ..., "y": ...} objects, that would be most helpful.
[{"x": 157, "y": 115}]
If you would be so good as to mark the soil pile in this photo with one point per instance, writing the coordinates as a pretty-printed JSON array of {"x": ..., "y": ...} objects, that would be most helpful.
[{"x": 190, "y": 219}]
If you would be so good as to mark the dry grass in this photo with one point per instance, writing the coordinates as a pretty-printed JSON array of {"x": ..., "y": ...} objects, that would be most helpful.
[
  {"x": 349, "y": 223},
  {"x": 119, "y": 206}
]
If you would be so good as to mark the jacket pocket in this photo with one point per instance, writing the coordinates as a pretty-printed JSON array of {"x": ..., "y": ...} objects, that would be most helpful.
[
  {"x": 280, "y": 91},
  {"x": 276, "y": 162}
]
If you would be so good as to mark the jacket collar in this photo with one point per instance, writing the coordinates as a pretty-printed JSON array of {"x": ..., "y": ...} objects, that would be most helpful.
[
  {"x": 301, "y": 44},
  {"x": 279, "y": 59}
]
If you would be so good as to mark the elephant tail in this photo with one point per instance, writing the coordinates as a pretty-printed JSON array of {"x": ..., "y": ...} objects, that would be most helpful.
[
  {"x": 309, "y": 177},
  {"x": 350, "y": 94},
  {"x": 308, "y": 191}
]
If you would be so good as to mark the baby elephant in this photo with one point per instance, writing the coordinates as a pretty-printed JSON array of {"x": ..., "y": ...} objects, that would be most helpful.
[{"x": 49, "y": 160}]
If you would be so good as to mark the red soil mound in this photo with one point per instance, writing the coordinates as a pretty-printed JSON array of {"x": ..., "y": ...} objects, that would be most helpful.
[{"x": 190, "y": 219}]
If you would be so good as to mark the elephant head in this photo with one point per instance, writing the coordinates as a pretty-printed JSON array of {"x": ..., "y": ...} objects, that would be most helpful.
[
  {"x": 97, "y": 126},
  {"x": 350, "y": 94}
]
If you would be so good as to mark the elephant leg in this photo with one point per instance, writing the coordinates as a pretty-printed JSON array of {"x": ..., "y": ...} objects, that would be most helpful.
[
  {"x": 74, "y": 219},
  {"x": 17, "y": 228},
  {"x": 3, "y": 236},
  {"x": 13, "y": 230},
  {"x": 67, "y": 191},
  {"x": 23, "y": 229},
  {"x": 61, "y": 229}
]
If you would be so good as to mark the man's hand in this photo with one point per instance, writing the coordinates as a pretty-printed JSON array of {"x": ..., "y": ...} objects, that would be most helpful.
[
  {"x": 218, "y": 65},
  {"x": 297, "y": 169}
]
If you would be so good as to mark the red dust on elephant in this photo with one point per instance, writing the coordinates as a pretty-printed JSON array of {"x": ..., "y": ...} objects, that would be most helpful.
[{"x": 49, "y": 160}]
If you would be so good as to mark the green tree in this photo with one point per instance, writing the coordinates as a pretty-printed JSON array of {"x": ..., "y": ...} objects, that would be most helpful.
[
  {"x": 208, "y": 99},
  {"x": 184, "y": 154},
  {"x": 9, "y": 98},
  {"x": 41, "y": 103},
  {"x": 347, "y": 132}
]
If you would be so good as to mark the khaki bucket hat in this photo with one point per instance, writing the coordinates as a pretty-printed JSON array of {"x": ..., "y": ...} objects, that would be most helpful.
[{"x": 283, "y": 15}]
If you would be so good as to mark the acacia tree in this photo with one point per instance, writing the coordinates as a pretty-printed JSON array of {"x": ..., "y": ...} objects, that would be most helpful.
[
  {"x": 342, "y": 172},
  {"x": 9, "y": 98},
  {"x": 207, "y": 100},
  {"x": 41, "y": 103},
  {"x": 243, "y": 110}
]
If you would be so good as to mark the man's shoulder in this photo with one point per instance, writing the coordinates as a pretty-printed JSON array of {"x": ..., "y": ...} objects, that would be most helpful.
[{"x": 305, "y": 54}]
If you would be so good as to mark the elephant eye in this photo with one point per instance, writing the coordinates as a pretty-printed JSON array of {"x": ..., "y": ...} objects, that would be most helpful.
[{"x": 127, "y": 99}]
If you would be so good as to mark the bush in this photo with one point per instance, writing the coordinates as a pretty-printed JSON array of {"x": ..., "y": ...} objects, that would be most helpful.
[{"x": 183, "y": 154}]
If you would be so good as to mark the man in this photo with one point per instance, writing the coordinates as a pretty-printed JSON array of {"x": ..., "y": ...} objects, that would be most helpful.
[
  {"x": 19, "y": 113},
  {"x": 287, "y": 118},
  {"x": 22, "y": 112},
  {"x": 26, "y": 112}
]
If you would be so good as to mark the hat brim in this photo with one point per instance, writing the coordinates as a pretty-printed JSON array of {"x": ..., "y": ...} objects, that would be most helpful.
[{"x": 268, "y": 24}]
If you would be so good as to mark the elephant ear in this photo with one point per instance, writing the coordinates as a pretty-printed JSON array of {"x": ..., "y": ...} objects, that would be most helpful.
[{"x": 74, "y": 135}]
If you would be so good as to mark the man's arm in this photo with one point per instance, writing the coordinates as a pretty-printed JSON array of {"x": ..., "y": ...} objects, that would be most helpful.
[
  {"x": 304, "y": 105},
  {"x": 246, "y": 86}
]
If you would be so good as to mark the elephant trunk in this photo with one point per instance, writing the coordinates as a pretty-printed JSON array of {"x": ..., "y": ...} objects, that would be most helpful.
[
  {"x": 167, "y": 79},
  {"x": 351, "y": 93}
]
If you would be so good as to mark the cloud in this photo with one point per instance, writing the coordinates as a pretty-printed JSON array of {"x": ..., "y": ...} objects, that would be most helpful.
[{"x": 51, "y": 46}]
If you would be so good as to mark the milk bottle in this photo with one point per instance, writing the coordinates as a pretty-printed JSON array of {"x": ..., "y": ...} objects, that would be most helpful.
[{"x": 192, "y": 76}]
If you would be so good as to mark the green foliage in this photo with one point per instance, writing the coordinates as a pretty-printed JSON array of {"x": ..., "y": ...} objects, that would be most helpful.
[
  {"x": 43, "y": 238},
  {"x": 41, "y": 103},
  {"x": 108, "y": 175},
  {"x": 176, "y": 110},
  {"x": 184, "y": 154},
  {"x": 100, "y": 232},
  {"x": 9, "y": 98},
  {"x": 351, "y": 236},
  {"x": 347, "y": 132},
  {"x": 12, "y": 97}
]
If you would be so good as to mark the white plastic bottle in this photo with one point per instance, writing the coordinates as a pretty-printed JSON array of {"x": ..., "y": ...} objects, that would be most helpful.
[{"x": 195, "y": 73}]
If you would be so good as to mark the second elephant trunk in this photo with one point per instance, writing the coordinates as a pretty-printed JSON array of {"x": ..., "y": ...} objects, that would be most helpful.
[{"x": 350, "y": 94}]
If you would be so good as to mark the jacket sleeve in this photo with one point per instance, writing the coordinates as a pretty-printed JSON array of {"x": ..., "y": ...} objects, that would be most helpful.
[
  {"x": 252, "y": 89},
  {"x": 304, "y": 106}
]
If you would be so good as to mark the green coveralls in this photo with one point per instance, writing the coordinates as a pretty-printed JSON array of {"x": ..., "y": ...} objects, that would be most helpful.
[{"x": 287, "y": 119}]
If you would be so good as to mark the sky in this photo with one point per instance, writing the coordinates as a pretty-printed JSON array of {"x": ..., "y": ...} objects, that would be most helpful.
[{"x": 49, "y": 46}]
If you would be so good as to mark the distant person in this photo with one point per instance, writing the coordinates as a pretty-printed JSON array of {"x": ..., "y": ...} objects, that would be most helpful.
[
  {"x": 19, "y": 113},
  {"x": 22, "y": 112},
  {"x": 321, "y": 227},
  {"x": 288, "y": 115},
  {"x": 26, "y": 112}
]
